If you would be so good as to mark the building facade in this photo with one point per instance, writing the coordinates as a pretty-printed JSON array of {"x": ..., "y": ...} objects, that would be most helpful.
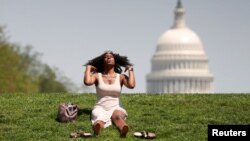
[{"x": 179, "y": 64}]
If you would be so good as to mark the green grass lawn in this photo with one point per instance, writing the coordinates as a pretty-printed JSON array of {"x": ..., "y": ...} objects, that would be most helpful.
[{"x": 175, "y": 117}]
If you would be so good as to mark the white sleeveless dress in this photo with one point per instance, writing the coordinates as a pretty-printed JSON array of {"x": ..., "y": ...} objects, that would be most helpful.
[{"x": 107, "y": 100}]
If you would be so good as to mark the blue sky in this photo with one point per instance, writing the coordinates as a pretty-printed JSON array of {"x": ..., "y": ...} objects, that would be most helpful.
[{"x": 70, "y": 32}]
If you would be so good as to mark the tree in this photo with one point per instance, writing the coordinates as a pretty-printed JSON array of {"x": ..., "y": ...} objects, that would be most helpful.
[
  {"x": 48, "y": 82},
  {"x": 22, "y": 71},
  {"x": 11, "y": 78}
]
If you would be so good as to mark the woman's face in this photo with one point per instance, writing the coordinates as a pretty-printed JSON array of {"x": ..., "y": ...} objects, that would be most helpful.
[{"x": 109, "y": 59}]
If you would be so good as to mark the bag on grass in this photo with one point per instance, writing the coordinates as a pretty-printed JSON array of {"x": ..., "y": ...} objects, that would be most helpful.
[{"x": 67, "y": 112}]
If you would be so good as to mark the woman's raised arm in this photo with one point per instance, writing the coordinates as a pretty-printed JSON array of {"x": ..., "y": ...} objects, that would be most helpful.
[
  {"x": 89, "y": 77},
  {"x": 129, "y": 81}
]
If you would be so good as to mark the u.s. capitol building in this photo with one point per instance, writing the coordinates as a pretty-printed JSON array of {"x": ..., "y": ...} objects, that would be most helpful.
[{"x": 179, "y": 64}]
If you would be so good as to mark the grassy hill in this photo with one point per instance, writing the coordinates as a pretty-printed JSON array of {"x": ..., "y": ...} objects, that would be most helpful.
[{"x": 175, "y": 117}]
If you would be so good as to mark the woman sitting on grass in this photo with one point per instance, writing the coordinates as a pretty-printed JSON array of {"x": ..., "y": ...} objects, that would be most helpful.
[{"x": 105, "y": 72}]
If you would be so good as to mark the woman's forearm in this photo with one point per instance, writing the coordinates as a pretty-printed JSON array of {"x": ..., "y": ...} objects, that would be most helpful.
[{"x": 131, "y": 78}]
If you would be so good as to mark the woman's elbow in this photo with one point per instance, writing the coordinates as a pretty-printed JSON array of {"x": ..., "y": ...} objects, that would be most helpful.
[
  {"x": 87, "y": 83},
  {"x": 132, "y": 86}
]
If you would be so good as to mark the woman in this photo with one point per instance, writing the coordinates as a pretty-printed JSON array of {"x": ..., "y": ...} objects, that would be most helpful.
[{"x": 105, "y": 72}]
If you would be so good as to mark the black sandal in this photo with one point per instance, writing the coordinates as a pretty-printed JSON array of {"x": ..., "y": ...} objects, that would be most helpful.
[{"x": 145, "y": 135}]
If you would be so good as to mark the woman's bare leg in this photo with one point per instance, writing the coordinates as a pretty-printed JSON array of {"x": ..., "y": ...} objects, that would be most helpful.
[
  {"x": 98, "y": 125},
  {"x": 118, "y": 119}
]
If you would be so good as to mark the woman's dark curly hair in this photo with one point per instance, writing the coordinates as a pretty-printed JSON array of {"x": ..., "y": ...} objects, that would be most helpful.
[{"x": 120, "y": 61}]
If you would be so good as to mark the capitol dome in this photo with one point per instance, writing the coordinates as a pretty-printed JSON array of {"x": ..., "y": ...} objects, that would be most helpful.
[
  {"x": 179, "y": 35},
  {"x": 179, "y": 64}
]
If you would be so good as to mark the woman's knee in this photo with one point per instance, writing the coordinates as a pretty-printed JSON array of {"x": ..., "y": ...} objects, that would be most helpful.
[
  {"x": 117, "y": 115},
  {"x": 97, "y": 112}
]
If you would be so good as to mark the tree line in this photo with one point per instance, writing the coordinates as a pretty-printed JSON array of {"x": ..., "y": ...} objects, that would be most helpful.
[{"x": 21, "y": 70}]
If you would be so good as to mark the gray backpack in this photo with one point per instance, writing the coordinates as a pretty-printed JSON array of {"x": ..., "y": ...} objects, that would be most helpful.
[{"x": 67, "y": 112}]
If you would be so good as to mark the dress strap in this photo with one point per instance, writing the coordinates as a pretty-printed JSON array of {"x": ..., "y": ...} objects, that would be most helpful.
[
  {"x": 100, "y": 77},
  {"x": 117, "y": 79}
]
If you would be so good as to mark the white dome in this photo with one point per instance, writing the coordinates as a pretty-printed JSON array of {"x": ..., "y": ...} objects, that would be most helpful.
[
  {"x": 180, "y": 64},
  {"x": 179, "y": 36}
]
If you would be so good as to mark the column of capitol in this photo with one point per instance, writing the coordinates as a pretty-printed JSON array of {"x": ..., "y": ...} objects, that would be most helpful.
[{"x": 179, "y": 64}]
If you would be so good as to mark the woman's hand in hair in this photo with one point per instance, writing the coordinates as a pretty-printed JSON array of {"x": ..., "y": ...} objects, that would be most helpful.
[
  {"x": 129, "y": 68},
  {"x": 91, "y": 68}
]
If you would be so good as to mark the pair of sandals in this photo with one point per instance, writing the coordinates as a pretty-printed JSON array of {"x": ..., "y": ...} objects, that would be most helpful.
[
  {"x": 145, "y": 135},
  {"x": 80, "y": 134},
  {"x": 142, "y": 134}
]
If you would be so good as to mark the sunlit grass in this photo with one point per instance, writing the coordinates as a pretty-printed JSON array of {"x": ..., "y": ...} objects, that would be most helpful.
[{"x": 175, "y": 117}]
